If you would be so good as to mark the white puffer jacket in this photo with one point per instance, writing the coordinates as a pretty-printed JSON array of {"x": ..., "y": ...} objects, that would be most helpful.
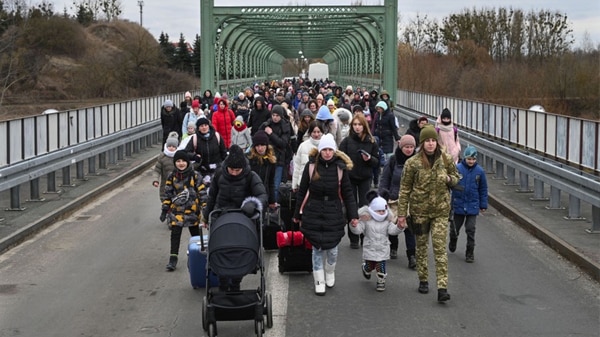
[
  {"x": 376, "y": 245},
  {"x": 300, "y": 160}
]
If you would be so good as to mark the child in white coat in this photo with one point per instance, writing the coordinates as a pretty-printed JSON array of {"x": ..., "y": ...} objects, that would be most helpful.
[
  {"x": 240, "y": 134},
  {"x": 376, "y": 222}
]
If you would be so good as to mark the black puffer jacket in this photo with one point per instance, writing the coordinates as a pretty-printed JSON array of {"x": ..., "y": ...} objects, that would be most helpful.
[
  {"x": 323, "y": 222},
  {"x": 211, "y": 149},
  {"x": 414, "y": 129},
  {"x": 228, "y": 192},
  {"x": 362, "y": 170},
  {"x": 392, "y": 173},
  {"x": 258, "y": 117},
  {"x": 385, "y": 129},
  {"x": 264, "y": 166},
  {"x": 279, "y": 138}
]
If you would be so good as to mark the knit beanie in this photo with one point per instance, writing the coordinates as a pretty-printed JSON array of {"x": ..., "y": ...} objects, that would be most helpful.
[
  {"x": 382, "y": 105},
  {"x": 327, "y": 142},
  {"x": 330, "y": 102},
  {"x": 239, "y": 121},
  {"x": 188, "y": 94},
  {"x": 181, "y": 154},
  {"x": 195, "y": 104},
  {"x": 407, "y": 140},
  {"x": 172, "y": 141},
  {"x": 427, "y": 132},
  {"x": 446, "y": 114},
  {"x": 168, "y": 103},
  {"x": 236, "y": 158},
  {"x": 278, "y": 110},
  {"x": 378, "y": 204},
  {"x": 191, "y": 124},
  {"x": 260, "y": 138},
  {"x": 324, "y": 114},
  {"x": 470, "y": 152},
  {"x": 202, "y": 121}
]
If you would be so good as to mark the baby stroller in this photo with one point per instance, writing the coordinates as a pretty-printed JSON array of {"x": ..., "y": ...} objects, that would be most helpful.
[{"x": 235, "y": 250}]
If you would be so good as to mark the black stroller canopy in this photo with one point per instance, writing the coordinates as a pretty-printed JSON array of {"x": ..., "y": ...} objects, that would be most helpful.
[{"x": 234, "y": 245}]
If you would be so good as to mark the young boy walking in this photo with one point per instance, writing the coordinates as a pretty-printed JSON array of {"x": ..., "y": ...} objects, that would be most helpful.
[
  {"x": 376, "y": 222},
  {"x": 468, "y": 201}
]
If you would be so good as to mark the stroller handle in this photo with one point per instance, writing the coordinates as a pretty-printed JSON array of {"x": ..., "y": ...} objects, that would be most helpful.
[{"x": 221, "y": 211}]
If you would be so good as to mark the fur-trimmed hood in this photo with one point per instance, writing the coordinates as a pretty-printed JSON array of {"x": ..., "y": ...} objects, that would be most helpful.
[
  {"x": 269, "y": 154},
  {"x": 342, "y": 159}
]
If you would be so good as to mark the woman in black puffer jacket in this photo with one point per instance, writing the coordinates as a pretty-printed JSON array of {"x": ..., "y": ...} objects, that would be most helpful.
[
  {"x": 324, "y": 190},
  {"x": 364, "y": 153}
]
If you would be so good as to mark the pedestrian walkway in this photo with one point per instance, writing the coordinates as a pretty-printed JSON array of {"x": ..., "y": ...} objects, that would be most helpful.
[{"x": 569, "y": 237}]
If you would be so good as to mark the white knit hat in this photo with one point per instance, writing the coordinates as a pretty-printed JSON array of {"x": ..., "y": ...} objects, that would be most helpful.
[
  {"x": 327, "y": 142},
  {"x": 378, "y": 204}
]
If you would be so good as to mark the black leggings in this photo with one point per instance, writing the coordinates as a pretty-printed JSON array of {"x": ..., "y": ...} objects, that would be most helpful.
[{"x": 176, "y": 237}]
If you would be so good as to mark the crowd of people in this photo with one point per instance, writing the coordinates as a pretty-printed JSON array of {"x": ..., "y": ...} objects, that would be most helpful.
[{"x": 353, "y": 173}]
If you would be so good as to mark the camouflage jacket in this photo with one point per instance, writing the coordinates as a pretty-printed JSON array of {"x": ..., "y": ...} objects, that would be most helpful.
[{"x": 425, "y": 193}]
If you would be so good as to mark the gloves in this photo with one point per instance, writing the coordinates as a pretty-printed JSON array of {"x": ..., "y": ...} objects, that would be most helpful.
[
  {"x": 249, "y": 209},
  {"x": 197, "y": 159},
  {"x": 163, "y": 216}
]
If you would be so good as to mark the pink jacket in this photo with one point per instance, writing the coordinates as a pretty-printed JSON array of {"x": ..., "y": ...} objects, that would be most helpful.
[{"x": 448, "y": 139}]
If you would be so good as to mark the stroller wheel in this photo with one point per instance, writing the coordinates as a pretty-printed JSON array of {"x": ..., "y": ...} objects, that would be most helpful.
[
  {"x": 269, "y": 309},
  {"x": 212, "y": 330},
  {"x": 204, "y": 310},
  {"x": 259, "y": 328}
]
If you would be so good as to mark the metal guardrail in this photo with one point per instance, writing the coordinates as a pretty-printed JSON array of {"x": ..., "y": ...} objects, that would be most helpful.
[
  {"x": 580, "y": 186},
  {"x": 572, "y": 140},
  {"x": 115, "y": 145}
]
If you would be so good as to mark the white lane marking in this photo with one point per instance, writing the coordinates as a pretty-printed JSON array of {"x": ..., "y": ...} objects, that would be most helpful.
[{"x": 277, "y": 284}]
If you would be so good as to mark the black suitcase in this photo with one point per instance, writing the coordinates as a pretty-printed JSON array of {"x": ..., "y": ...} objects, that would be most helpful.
[
  {"x": 270, "y": 228},
  {"x": 287, "y": 206},
  {"x": 295, "y": 259}
]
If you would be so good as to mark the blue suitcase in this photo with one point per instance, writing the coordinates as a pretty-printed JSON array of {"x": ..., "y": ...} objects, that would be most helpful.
[{"x": 197, "y": 249}]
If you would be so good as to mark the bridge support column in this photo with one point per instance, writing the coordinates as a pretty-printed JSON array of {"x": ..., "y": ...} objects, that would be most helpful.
[
  {"x": 538, "y": 190},
  {"x": 595, "y": 221},
  {"x": 92, "y": 165},
  {"x": 15, "y": 199},
  {"x": 34, "y": 190},
  {"x": 523, "y": 183},
  {"x": 499, "y": 171},
  {"x": 554, "y": 199},
  {"x": 510, "y": 176},
  {"x": 574, "y": 209}
]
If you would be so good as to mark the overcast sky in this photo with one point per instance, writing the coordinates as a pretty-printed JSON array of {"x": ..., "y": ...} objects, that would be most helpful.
[{"x": 183, "y": 16}]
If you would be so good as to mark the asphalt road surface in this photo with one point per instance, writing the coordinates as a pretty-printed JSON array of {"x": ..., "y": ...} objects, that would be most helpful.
[{"x": 102, "y": 273}]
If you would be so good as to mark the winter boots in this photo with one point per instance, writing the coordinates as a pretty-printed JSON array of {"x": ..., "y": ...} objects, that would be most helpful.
[
  {"x": 329, "y": 275},
  {"x": 366, "y": 274},
  {"x": 319, "y": 276},
  {"x": 443, "y": 295},
  {"x": 412, "y": 260},
  {"x": 380, "y": 281},
  {"x": 393, "y": 254},
  {"x": 452, "y": 244},
  {"x": 469, "y": 256},
  {"x": 423, "y": 287},
  {"x": 172, "y": 262}
]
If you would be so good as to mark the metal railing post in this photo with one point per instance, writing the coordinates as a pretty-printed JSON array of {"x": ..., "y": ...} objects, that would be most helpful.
[
  {"x": 574, "y": 209},
  {"x": 66, "y": 176},
  {"x": 15, "y": 200},
  {"x": 499, "y": 171},
  {"x": 554, "y": 199},
  {"x": 510, "y": 176},
  {"x": 538, "y": 190},
  {"x": 34, "y": 190},
  {"x": 523, "y": 183},
  {"x": 92, "y": 165},
  {"x": 595, "y": 221}
]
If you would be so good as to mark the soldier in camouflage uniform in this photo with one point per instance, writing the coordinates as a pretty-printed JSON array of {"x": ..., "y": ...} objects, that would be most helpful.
[{"x": 425, "y": 196}]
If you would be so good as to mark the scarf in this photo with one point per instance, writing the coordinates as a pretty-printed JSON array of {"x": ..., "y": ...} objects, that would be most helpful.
[
  {"x": 168, "y": 153},
  {"x": 376, "y": 216}
]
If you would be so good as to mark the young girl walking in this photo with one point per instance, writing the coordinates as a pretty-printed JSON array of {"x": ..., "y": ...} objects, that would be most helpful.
[{"x": 376, "y": 222}]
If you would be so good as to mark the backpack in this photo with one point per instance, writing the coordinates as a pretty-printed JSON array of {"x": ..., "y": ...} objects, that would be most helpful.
[
  {"x": 437, "y": 129},
  {"x": 195, "y": 140}
]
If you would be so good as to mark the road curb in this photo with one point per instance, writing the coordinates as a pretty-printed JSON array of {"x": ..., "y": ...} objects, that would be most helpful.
[
  {"x": 561, "y": 246},
  {"x": 22, "y": 234}
]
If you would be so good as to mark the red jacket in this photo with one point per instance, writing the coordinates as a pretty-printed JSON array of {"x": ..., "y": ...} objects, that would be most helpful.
[{"x": 222, "y": 120}]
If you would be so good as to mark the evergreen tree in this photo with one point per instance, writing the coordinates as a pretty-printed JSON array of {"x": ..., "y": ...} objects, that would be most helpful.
[
  {"x": 196, "y": 57},
  {"x": 167, "y": 49}
]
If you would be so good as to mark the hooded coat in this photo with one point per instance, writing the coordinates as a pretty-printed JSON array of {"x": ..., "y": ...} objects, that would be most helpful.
[
  {"x": 229, "y": 192},
  {"x": 414, "y": 129},
  {"x": 264, "y": 166},
  {"x": 392, "y": 174},
  {"x": 279, "y": 138},
  {"x": 351, "y": 146},
  {"x": 182, "y": 211},
  {"x": 376, "y": 243},
  {"x": 210, "y": 148},
  {"x": 258, "y": 116},
  {"x": 323, "y": 223},
  {"x": 222, "y": 120},
  {"x": 474, "y": 195}
]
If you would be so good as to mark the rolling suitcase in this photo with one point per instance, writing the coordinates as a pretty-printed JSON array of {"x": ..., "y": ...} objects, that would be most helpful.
[
  {"x": 269, "y": 232},
  {"x": 293, "y": 256},
  {"x": 287, "y": 206},
  {"x": 197, "y": 251}
]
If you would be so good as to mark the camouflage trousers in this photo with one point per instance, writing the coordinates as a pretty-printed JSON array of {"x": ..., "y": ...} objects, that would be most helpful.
[{"x": 439, "y": 234}]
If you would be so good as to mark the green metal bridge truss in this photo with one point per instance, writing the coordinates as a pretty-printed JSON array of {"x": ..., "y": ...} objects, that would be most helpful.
[{"x": 243, "y": 45}]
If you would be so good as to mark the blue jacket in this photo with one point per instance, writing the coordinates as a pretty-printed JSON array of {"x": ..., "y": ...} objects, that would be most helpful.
[{"x": 475, "y": 194}]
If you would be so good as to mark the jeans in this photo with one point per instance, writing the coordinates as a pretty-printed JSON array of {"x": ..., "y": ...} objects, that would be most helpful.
[
  {"x": 318, "y": 254},
  {"x": 277, "y": 180}
]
